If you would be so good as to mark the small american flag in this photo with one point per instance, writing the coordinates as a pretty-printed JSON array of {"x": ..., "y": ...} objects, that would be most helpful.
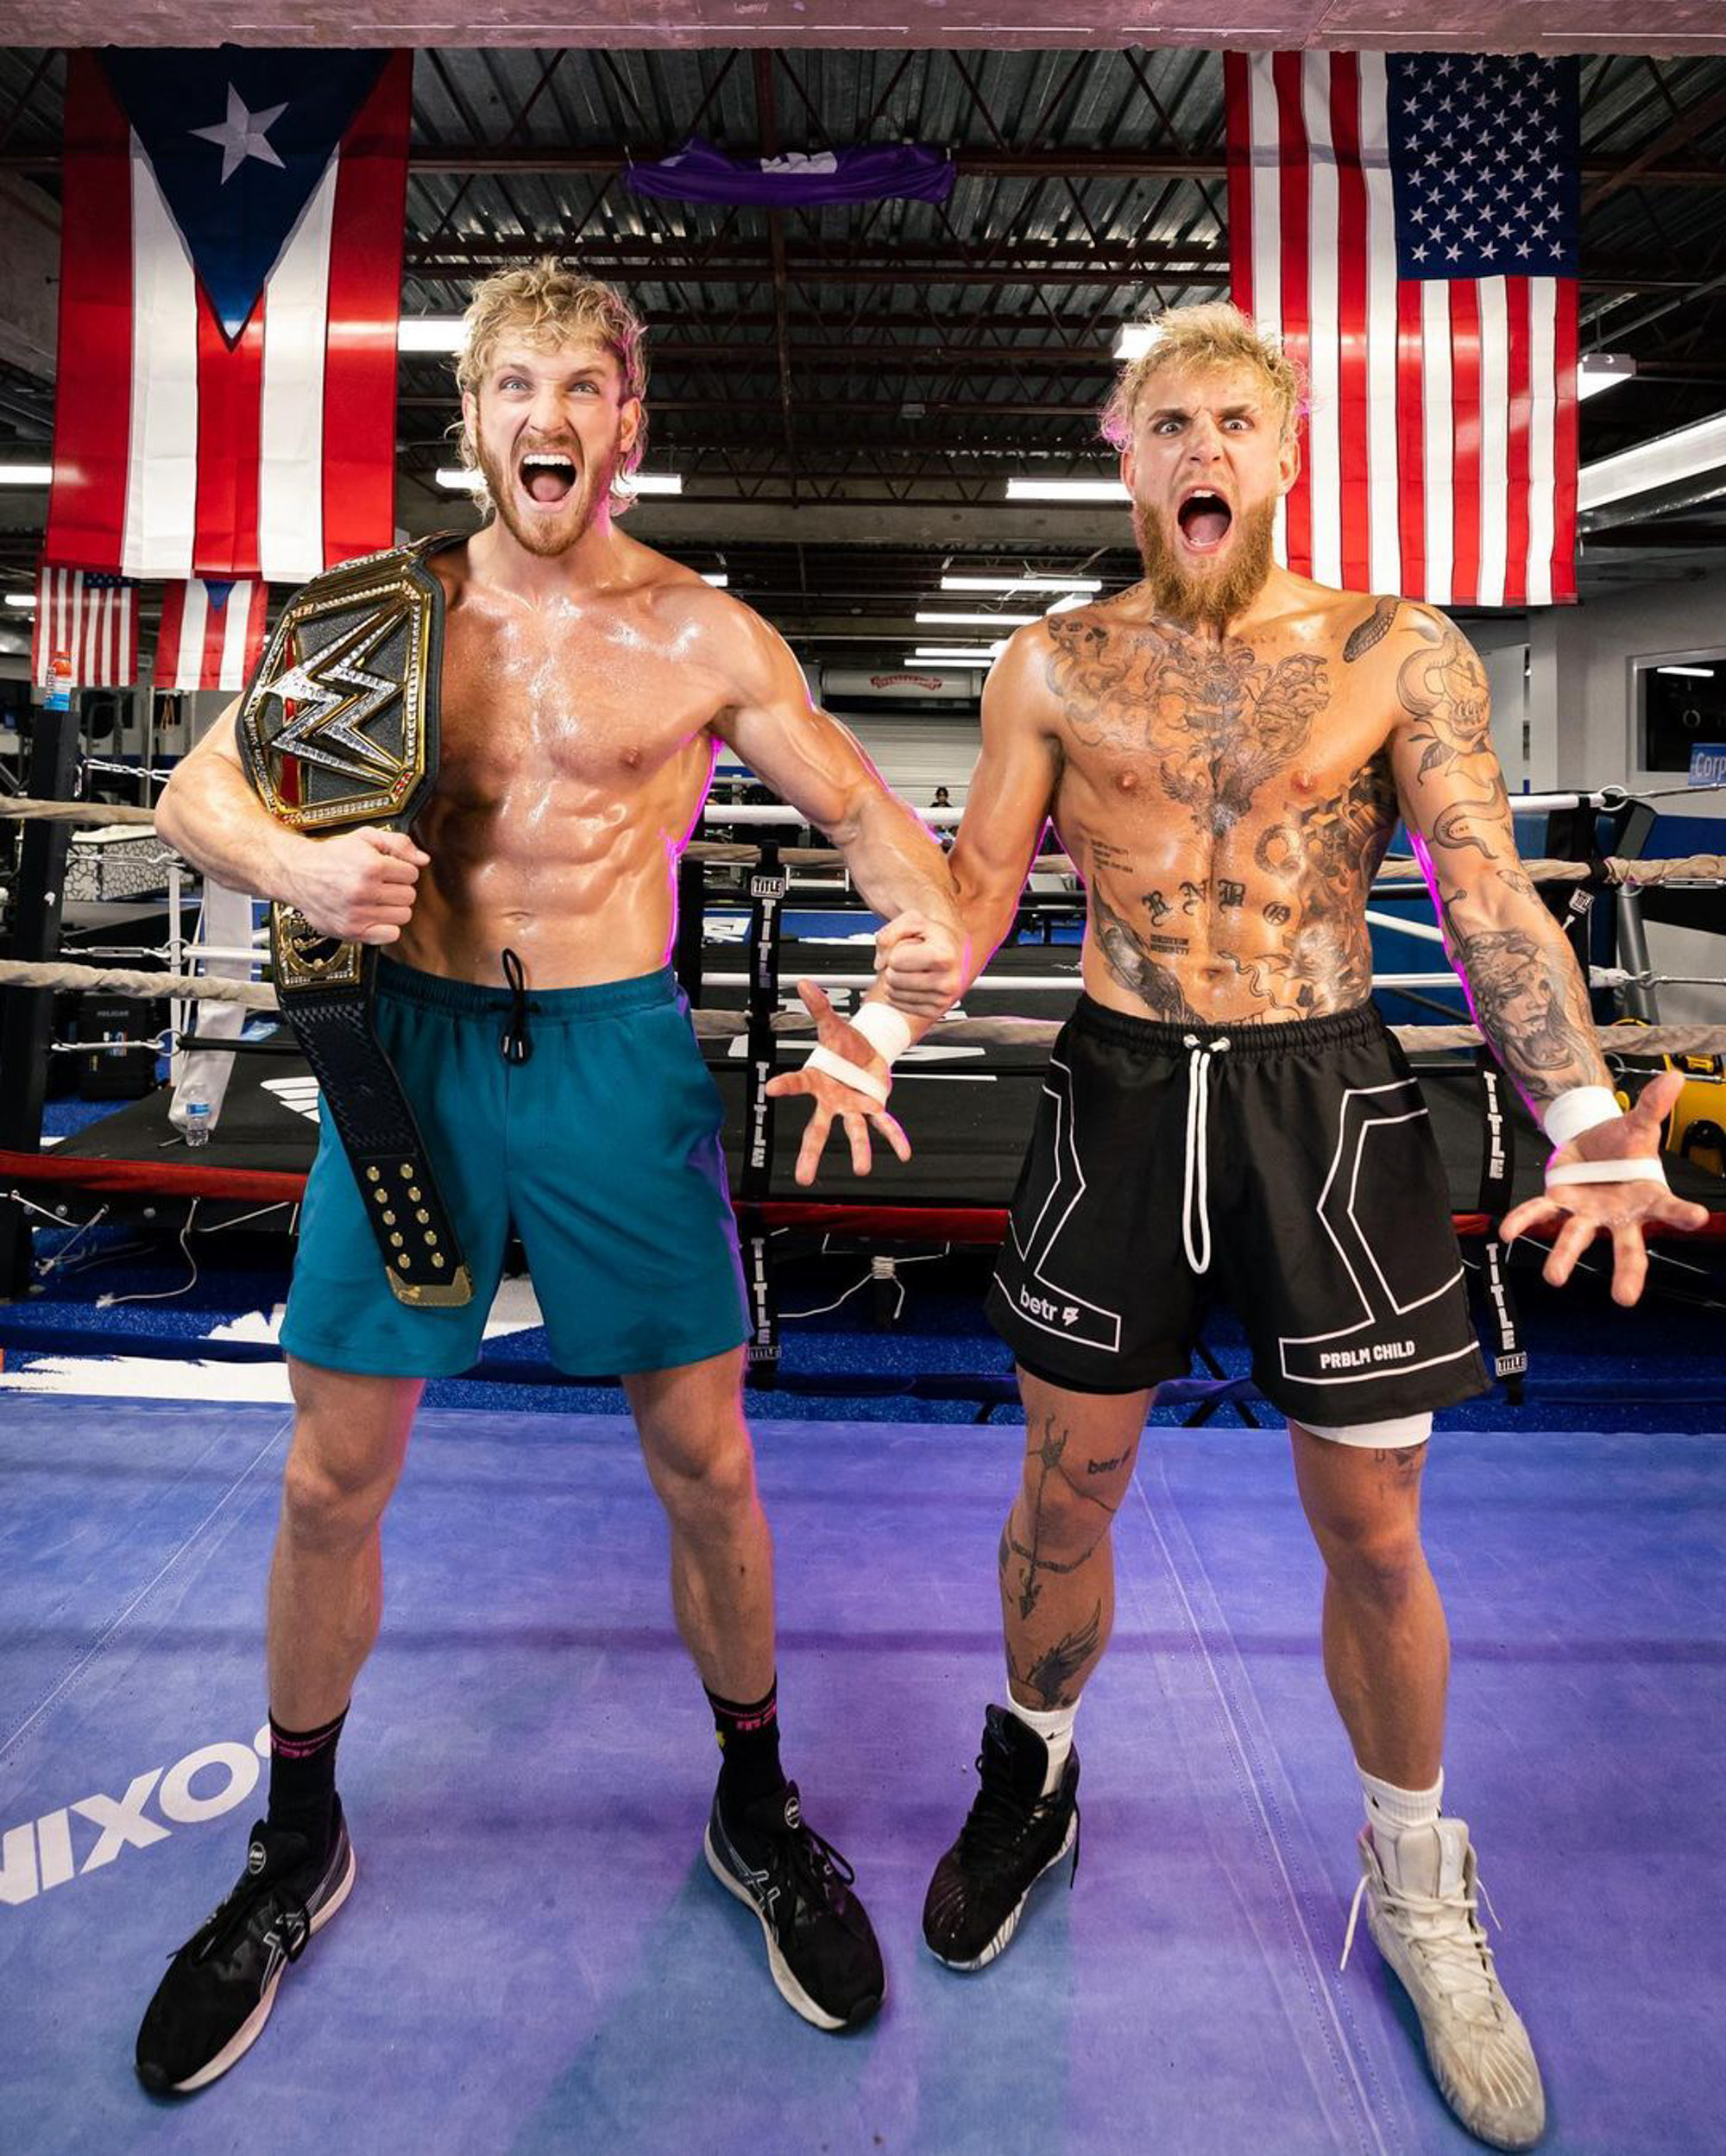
[
  {"x": 91, "y": 622},
  {"x": 1408, "y": 222},
  {"x": 212, "y": 634}
]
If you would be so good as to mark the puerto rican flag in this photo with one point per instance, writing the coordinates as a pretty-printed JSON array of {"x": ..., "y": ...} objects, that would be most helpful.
[
  {"x": 89, "y": 622},
  {"x": 232, "y": 257},
  {"x": 212, "y": 634}
]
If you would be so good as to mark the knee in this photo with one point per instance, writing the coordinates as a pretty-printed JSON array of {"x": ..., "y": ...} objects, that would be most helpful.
[
  {"x": 1065, "y": 1522},
  {"x": 1373, "y": 1561},
  {"x": 329, "y": 1507},
  {"x": 706, "y": 1490}
]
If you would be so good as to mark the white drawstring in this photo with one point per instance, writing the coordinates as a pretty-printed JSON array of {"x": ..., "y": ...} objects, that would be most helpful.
[{"x": 1197, "y": 1194}]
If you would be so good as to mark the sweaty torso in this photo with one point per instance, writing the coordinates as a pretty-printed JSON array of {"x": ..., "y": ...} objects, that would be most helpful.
[
  {"x": 574, "y": 759},
  {"x": 1227, "y": 804}
]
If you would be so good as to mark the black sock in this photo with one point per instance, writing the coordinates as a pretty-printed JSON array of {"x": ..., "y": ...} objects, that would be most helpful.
[
  {"x": 749, "y": 1748},
  {"x": 302, "y": 1791}
]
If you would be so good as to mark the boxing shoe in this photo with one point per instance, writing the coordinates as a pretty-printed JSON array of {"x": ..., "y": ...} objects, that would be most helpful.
[
  {"x": 1012, "y": 1834},
  {"x": 1421, "y": 1892}
]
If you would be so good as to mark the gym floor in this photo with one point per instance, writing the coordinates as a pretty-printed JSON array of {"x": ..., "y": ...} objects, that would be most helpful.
[{"x": 535, "y": 1954}]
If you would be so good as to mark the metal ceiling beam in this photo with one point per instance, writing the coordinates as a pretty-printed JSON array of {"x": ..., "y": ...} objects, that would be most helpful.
[
  {"x": 1638, "y": 169},
  {"x": 1689, "y": 536},
  {"x": 743, "y": 263},
  {"x": 481, "y": 159},
  {"x": 768, "y": 126}
]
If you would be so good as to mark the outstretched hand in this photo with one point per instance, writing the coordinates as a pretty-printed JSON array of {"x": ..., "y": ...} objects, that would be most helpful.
[
  {"x": 832, "y": 1097},
  {"x": 1623, "y": 1209}
]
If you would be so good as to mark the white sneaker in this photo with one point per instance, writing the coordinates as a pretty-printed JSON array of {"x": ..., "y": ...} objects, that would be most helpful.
[{"x": 1421, "y": 1903}]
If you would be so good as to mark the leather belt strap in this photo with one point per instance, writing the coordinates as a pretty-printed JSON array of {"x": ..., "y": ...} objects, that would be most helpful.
[{"x": 339, "y": 729}]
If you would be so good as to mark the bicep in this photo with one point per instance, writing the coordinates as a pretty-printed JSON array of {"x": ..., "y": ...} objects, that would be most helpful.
[
  {"x": 1011, "y": 790},
  {"x": 801, "y": 752},
  {"x": 1449, "y": 783}
]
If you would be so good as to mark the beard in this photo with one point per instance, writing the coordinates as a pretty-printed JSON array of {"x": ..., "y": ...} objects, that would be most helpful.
[
  {"x": 1205, "y": 598},
  {"x": 547, "y": 536}
]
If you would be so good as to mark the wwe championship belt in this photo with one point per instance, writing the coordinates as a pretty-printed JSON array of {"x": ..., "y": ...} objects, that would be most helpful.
[{"x": 339, "y": 728}]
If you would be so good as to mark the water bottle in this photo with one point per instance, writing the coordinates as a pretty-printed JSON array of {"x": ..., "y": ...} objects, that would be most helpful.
[{"x": 195, "y": 1126}]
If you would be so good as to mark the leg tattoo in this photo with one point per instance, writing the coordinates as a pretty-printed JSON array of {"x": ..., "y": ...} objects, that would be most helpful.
[
  {"x": 1049, "y": 1455},
  {"x": 1052, "y": 1675}
]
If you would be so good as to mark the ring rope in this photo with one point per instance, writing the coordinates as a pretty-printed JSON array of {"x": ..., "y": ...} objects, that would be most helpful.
[
  {"x": 1703, "y": 869},
  {"x": 718, "y": 1023}
]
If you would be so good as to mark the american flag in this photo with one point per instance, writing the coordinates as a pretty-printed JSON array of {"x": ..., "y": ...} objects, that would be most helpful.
[
  {"x": 90, "y": 621},
  {"x": 212, "y": 634},
  {"x": 230, "y": 259},
  {"x": 1408, "y": 222}
]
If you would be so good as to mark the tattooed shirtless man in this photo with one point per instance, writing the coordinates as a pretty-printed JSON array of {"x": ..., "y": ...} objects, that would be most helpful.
[{"x": 1225, "y": 749}]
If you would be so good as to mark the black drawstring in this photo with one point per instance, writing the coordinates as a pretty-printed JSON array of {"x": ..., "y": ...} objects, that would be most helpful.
[{"x": 515, "y": 1041}]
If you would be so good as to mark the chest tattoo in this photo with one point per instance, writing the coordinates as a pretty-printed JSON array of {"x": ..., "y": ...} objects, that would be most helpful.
[{"x": 1216, "y": 721}]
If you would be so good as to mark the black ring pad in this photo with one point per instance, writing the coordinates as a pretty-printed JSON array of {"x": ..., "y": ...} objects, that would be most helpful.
[{"x": 339, "y": 730}]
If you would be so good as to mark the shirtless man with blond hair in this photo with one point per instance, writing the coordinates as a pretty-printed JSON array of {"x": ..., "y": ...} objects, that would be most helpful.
[
  {"x": 1225, "y": 749},
  {"x": 587, "y": 684}
]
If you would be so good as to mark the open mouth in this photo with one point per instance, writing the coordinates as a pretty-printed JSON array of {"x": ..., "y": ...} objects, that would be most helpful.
[
  {"x": 1204, "y": 518},
  {"x": 546, "y": 477}
]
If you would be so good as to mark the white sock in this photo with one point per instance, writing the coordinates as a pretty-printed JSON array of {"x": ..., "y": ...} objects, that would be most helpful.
[
  {"x": 1055, "y": 1726},
  {"x": 1390, "y": 1810}
]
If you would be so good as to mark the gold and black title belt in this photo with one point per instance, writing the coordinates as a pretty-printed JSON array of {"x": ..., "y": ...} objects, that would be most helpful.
[{"x": 339, "y": 729}]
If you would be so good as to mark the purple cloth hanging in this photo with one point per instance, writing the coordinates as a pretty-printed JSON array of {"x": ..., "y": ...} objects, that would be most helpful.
[{"x": 700, "y": 172}]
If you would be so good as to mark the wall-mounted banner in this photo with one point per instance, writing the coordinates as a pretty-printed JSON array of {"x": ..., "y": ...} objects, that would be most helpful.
[{"x": 912, "y": 682}]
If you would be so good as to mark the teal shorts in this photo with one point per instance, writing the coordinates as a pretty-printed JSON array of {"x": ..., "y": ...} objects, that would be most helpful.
[{"x": 601, "y": 1152}]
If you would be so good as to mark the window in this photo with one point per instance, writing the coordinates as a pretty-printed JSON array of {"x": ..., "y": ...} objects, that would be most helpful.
[{"x": 1679, "y": 702}]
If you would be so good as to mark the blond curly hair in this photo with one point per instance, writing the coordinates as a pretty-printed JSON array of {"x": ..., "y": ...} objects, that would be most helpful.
[
  {"x": 1215, "y": 334},
  {"x": 549, "y": 304}
]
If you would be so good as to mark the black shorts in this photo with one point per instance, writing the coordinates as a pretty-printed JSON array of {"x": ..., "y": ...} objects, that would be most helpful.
[{"x": 1290, "y": 1167}]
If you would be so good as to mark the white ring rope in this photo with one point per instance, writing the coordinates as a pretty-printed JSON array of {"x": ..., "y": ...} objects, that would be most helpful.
[
  {"x": 713, "y": 1023},
  {"x": 1698, "y": 868}
]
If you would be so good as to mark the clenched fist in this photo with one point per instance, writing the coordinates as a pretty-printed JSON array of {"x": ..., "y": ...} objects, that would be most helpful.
[
  {"x": 359, "y": 886},
  {"x": 921, "y": 962}
]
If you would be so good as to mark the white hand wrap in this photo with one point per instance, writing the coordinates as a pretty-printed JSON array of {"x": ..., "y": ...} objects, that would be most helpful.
[
  {"x": 849, "y": 1074},
  {"x": 1642, "y": 1169},
  {"x": 887, "y": 1031},
  {"x": 1577, "y": 1109}
]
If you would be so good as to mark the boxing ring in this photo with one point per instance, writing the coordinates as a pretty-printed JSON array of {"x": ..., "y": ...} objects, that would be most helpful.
[{"x": 536, "y": 1956}]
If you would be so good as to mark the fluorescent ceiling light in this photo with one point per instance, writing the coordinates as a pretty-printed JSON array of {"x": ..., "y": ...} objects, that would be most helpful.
[
  {"x": 1135, "y": 340},
  {"x": 459, "y": 480},
  {"x": 26, "y": 475},
  {"x": 974, "y": 658},
  {"x": 1066, "y": 606},
  {"x": 1027, "y": 583},
  {"x": 1602, "y": 370},
  {"x": 716, "y": 577},
  {"x": 21, "y": 598},
  {"x": 946, "y": 658},
  {"x": 978, "y": 620},
  {"x": 428, "y": 333},
  {"x": 1667, "y": 461},
  {"x": 1694, "y": 673},
  {"x": 1066, "y": 490}
]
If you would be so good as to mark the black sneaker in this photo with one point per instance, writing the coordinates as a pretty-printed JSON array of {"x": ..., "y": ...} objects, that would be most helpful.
[
  {"x": 1011, "y": 1836},
  {"x": 820, "y": 1945},
  {"x": 212, "y": 2006}
]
